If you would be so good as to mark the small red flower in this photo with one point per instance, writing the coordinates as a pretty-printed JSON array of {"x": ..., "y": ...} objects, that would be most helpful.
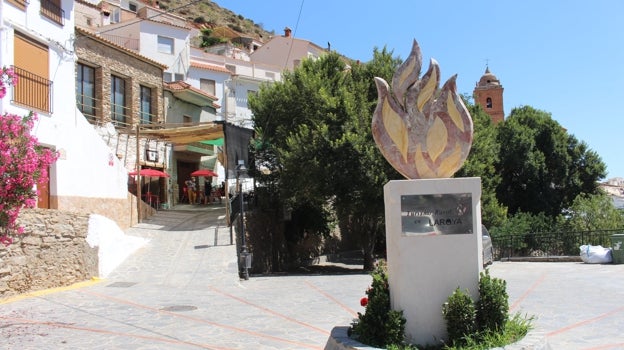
[{"x": 364, "y": 301}]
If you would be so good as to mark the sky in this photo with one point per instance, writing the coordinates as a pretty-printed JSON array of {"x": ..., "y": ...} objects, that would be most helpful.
[{"x": 562, "y": 57}]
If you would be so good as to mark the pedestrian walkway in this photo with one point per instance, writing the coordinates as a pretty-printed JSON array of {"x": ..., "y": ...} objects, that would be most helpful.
[{"x": 181, "y": 290}]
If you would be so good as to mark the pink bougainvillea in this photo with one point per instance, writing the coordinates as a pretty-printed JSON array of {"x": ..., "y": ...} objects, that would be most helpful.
[{"x": 23, "y": 163}]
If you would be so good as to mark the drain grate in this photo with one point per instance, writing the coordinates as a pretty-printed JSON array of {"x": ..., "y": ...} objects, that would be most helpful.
[
  {"x": 178, "y": 308},
  {"x": 121, "y": 284}
]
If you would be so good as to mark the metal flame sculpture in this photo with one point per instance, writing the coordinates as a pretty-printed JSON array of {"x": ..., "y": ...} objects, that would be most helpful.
[{"x": 423, "y": 132}]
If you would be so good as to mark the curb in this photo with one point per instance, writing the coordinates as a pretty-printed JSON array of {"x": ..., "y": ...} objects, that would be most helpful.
[{"x": 339, "y": 340}]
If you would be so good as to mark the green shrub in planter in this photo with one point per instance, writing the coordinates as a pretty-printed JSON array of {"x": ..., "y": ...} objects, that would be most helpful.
[
  {"x": 379, "y": 326},
  {"x": 493, "y": 304},
  {"x": 460, "y": 316}
]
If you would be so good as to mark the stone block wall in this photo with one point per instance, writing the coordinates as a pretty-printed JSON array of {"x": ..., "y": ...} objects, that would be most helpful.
[{"x": 52, "y": 252}]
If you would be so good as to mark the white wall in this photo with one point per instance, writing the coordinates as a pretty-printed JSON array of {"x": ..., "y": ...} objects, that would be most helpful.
[
  {"x": 178, "y": 62},
  {"x": 83, "y": 169}
]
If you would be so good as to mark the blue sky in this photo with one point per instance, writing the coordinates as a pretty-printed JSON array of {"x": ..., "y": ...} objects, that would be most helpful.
[{"x": 562, "y": 57}]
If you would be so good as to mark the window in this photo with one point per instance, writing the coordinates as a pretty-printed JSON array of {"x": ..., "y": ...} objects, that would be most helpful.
[
  {"x": 179, "y": 77},
  {"x": 85, "y": 90},
  {"x": 116, "y": 17},
  {"x": 165, "y": 45},
  {"x": 132, "y": 6},
  {"x": 52, "y": 10},
  {"x": 207, "y": 85},
  {"x": 488, "y": 102},
  {"x": 167, "y": 77},
  {"x": 21, "y": 4},
  {"x": 32, "y": 68},
  {"x": 118, "y": 100},
  {"x": 146, "y": 105}
]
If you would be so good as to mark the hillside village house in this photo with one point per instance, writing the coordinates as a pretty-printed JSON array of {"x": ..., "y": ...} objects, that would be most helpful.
[{"x": 38, "y": 41}]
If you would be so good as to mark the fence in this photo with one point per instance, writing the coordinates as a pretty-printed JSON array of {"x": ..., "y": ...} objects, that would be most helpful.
[{"x": 545, "y": 244}]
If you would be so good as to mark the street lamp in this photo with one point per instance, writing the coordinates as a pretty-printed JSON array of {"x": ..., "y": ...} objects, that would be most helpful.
[{"x": 241, "y": 170}]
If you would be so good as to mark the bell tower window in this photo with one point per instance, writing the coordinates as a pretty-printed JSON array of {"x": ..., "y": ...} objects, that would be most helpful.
[{"x": 488, "y": 102}]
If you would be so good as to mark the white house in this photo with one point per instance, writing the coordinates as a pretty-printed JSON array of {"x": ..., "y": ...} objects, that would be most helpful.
[{"x": 37, "y": 40}]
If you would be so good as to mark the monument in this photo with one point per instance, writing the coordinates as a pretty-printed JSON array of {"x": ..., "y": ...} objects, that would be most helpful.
[{"x": 433, "y": 221}]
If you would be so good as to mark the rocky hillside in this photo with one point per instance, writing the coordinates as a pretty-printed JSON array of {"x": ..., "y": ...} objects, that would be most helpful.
[{"x": 208, "y": 12}]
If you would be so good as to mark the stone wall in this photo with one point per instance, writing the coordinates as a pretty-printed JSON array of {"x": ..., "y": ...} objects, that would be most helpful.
[
  {"x": 122, "y": 211},
  {"x": 52, "y": 252}
]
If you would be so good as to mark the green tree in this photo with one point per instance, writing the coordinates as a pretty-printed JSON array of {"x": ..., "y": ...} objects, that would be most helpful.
[
  {"x": 316, "y": 123},
  {"x": 542, "y": 168},
  {"x": 594, "y": 212}
]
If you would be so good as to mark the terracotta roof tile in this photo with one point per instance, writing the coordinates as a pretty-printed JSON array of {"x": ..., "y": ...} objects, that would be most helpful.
[
  {"x": 90, "y": 34},
  {"x": 207, "y": 66}
]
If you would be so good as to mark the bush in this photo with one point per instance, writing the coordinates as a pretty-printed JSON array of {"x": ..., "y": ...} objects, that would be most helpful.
[
  {"x": 380, "y": 326},
  {"x": 460, "y": 316},
  {"x": 493, "y": 304}
]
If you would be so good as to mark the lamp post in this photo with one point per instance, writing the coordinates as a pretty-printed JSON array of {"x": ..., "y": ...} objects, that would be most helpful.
[{"x": 241, "y": 170}]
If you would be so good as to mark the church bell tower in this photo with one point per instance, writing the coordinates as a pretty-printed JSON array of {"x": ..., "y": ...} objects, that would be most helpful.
[{"x": 488, "y": 93}]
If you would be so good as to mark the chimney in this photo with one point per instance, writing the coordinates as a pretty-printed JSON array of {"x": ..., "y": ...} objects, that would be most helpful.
[{"x": 287, "y": 32}]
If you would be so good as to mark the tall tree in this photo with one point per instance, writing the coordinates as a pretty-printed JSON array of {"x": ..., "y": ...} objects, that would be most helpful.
[
  {"x": 542, "y": 168},
  {"x": 317, "y": 124}
]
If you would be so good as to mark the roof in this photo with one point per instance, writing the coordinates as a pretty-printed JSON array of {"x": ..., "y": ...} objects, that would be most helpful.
[
  {"x": 94, "y": 36},
  {"x": 188, "y": 93},
  {"x": 212, "y": 67}
]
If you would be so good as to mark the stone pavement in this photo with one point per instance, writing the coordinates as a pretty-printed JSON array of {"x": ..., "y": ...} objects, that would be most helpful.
[{"x": 182, "y": 291}]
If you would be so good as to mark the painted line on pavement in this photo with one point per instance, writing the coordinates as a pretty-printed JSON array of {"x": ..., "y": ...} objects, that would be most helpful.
[
  {"x": 38, "y": 293},
  {"x": 101, "y": 331},
  {"x": 607, "y": 346},
  {"x": 275, "y": 313},
  {"x": 328, "y": 296},
  {"x": 528, "y": 291},
  {"x": 587, "y": 321},
  {"x": 200, "y": 320}
]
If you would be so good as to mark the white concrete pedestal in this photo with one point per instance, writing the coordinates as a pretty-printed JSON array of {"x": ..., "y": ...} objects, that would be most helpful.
[{"x": 433, "y": 238}]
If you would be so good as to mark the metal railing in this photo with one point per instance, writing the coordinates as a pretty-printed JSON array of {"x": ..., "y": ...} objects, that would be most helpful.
[
  {"x": 548, "y": 244},
  {"x": 33, "y": 91},
  {"x": 128, "y": 43},
  {"x": 51, "y": 10}
]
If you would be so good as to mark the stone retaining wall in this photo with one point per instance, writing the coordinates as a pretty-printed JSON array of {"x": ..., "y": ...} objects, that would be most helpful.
[{"x": 52, "y": 252}]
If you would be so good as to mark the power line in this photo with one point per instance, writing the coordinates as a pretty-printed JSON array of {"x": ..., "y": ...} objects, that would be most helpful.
[{"x": 294, "y": 33}]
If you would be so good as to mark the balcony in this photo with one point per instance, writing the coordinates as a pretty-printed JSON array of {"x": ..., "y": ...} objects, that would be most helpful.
[
  {"x": 128, "y": 43},
  {"x": 33, "y": 91},
  {"x": 51, "y": 10}
]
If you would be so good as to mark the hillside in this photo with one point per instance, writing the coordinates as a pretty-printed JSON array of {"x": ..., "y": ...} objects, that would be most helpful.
[{"x": 208, "y": 12}]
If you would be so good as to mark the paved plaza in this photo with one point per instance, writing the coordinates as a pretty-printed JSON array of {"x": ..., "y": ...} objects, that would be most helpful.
[{"x": 182, "y": 291}]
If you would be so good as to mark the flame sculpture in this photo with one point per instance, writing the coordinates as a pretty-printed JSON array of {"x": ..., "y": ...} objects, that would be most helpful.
[{"x": 422, "y": 131}]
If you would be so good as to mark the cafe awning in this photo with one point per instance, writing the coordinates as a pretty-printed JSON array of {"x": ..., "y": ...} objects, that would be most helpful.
[{"x": 183, "y": 135}]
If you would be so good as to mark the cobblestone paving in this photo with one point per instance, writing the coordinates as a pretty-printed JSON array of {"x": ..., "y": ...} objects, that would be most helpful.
[{"x": 182, "y": 291}]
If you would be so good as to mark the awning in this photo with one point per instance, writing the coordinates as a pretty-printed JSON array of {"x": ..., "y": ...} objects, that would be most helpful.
[
  {"x": 186, "y": 134},
  {"x": 215, "y": 142}
]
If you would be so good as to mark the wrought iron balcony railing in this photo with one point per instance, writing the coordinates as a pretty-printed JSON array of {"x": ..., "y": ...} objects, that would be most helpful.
[
  {"x": 128, "y": 43},
  {"x": 53, "y": 11},
  {"x": 32, "y": 91}
]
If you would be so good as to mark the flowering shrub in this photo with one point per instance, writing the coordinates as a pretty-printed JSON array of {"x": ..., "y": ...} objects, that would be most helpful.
[
  {"x": 23, "y": 163},
  {"x": 364, "y": 301},
  {"x": 379, "y": 326}
]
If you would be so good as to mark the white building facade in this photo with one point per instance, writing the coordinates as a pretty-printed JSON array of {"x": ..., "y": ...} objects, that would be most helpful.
[{"x": 37, "y": 40}]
